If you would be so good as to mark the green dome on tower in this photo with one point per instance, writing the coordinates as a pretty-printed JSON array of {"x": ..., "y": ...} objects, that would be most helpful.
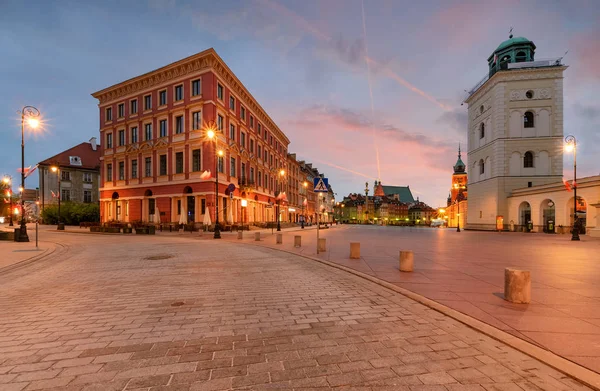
[{"x": 513, "y": 41}]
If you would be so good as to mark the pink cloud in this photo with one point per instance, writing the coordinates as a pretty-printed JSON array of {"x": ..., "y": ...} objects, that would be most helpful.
[{"x": 586, "y": 50}]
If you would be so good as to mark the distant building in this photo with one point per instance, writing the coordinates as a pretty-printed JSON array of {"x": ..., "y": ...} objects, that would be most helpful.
[
  {"x": 381, "y": 208},
  {"x": 79, "y": 171},
  {"x": 401, "y": 193},
  {"x": 456, "y": 210}
]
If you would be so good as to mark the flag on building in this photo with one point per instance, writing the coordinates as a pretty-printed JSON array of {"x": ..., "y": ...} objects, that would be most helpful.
[
  {"x": 205, "y": 175},
  {"x": 568, "y": 185}
]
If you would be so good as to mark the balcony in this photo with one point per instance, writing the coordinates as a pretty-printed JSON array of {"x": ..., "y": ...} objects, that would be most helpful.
[{"x": 246, "y": 184}]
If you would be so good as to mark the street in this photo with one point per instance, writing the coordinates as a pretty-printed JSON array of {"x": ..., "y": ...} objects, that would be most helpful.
[{"x": 180, "y": 312}]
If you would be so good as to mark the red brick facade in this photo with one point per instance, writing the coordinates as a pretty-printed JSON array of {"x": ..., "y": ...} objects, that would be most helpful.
[{"x": 154, "y": 157}]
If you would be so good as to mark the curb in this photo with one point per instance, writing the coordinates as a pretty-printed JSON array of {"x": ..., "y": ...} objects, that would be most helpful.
[
  {"x": 569, "y": 368},
  {"x": 33, "y": 259}
]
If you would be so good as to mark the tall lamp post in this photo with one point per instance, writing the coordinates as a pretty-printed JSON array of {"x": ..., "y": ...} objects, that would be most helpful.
[
  {"x": 281, "y": 174},
  {"x": 8, "y": 181},
  {"x": 32, "y": 114},
  {"x": 56, "y": 169},
  {"x": 211, "y": 134},
  {"x": 303, "y": 203},
  {"x": 366, "y": 202},
  {"x": 571, "y": 145}
]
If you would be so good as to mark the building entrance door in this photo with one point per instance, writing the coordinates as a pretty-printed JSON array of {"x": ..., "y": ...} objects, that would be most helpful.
[{"x": 191, "y": 209}]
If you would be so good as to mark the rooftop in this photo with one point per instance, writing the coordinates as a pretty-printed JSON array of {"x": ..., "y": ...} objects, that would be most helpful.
[{"x": 81, "y": 156}]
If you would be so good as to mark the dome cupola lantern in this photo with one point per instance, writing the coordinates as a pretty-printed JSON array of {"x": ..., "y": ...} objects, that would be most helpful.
[{"x": 514, "y": 49}]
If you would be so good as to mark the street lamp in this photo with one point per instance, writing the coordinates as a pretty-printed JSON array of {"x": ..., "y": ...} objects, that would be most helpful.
[
  {"x": 571, "y": 145},
  {"x": 32, "y": 114},
  {"x": 8, "y": 181},
  {"x": 305, "y": 184},
  {"x": 281, "y": 175},
  {"x": 56, "y": 169},
  {"x": 244, "y": 205},
  {"x": 211, "y": 134}
]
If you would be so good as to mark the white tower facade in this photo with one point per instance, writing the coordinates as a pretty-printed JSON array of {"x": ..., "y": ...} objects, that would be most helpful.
[{"x": 515, "y": 135}]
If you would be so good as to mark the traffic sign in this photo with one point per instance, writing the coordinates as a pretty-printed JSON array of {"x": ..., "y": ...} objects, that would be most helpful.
[{"x": 321, "y": 185}]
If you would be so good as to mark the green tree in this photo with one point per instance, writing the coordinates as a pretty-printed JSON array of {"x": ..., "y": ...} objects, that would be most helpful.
[{"x": 72, "y": 213}]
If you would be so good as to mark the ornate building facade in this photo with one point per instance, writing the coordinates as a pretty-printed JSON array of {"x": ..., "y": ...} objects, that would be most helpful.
[{"x": 457, "y": 207}]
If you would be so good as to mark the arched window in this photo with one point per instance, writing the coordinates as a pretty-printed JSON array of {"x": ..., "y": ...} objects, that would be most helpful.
[
  {"x": 482, "y": 130},
  {"x": 521, "y": 57},
  {"x": 528, "y": 120},
  {"x": 528, "y": 159},
  {"x": 481, "y": 167}
]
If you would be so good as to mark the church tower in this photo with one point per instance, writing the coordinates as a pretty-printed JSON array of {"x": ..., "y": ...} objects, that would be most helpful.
[
  {"x": 515, "y": 133},
  {"x": 459, "y": 179}
]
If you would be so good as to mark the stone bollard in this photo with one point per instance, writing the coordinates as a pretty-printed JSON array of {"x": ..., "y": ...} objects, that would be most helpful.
[
  {"x": 354, "y": 250},
  {"x": 322, "y": 245},
  {"x": 517, "y": 286},
  {"x": 279, "y": 238},
  {"x": 240, "y": 235},
  {"x": 257, "y": 236},
  {"x": 406, "y": 261},
  {"x": 297, "y": 241}
]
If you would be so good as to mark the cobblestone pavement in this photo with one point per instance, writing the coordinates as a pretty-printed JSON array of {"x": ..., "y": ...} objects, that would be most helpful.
[
  {"x": 465, "y": 271},
  {"x": 175, "y": 313}
]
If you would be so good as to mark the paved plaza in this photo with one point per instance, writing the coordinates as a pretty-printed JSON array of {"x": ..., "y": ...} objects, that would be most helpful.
[
  {"x": 181, "y": 312},
  {"x": 465, "y": 271}
]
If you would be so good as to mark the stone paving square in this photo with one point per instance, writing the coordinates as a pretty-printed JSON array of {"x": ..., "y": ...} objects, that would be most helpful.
[{"x": 108, "y": 312}]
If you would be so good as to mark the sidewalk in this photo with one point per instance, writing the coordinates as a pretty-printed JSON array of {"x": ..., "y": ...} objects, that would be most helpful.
[
  {"x": 465, "y": 272},
  {"x": 12, "y": 253}
]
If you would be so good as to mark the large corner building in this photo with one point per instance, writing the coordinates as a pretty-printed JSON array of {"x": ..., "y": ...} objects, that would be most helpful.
[{"x": 155, "y": 149}]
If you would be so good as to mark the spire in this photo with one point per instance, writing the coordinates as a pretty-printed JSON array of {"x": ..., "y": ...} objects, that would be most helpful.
[
  {"x": 510, "y": 34},
  {"x": 459, "y": 167},
  {"x": 459, "y": 149}
]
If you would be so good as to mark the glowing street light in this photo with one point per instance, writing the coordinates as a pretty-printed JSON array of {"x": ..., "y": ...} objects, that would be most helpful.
[
  {"x": 281, "y": 175},
  {"x": 571, "y": 145},
  {"x": 31, "y": 114},
  {"x": 56, "y": 169},
  {"x": 211, "y": 134}
]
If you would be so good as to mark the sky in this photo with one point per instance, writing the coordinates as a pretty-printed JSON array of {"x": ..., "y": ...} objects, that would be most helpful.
[{"x": 364, "y": 90}]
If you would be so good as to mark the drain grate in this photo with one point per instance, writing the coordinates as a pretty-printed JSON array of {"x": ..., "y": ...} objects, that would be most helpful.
[{"x": 158, "y": 257}]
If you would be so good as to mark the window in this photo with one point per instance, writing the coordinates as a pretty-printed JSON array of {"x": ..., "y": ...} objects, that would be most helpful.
[
  {"x": 259, "y": 129},
  {"x": 259, "y": 176},
  {"x": 148, "y": 102},
  {"x": 134, "y": 169},
  {"x": 197, "y": 120},
  {"x": 121, "y": 137},
  {"x": 232, "y": 132},
  {"x": 162, "y": 98},
  {"x": 529, "y": 94},
  {"x": 251, "y": 146},
  {"x": 243, "y": 139},
  {"x": 148, "y": 132},
  {"x": 251, "y": 174},
  {"x": 178, "y": 207},
  {"x": 134, "y": 106},
  {"x": 529, "y": 184},
  {"x": 196, "y": 162},
  {"x": 266, "y": 156},
  {"x": 232, "y": 103},
  {"x": 148, "y": 167},
  {"x": 219, "y": 91},
  {"x": 109, "y": 172},
  {"x": 203, "y": 206},
  {"x": 251, "y": 121},
  {"x": 266, "y": 135},
  {"x": 163, "y": 165},
  {"x": 121, "y": 171},
  {"x": 196, "y": 87},
  {"x": 65, "y": 195},
  {"x": 109, "y": 113},
  {"x": 528, "y": 120},
  {"x": 481, "y": 167},
  {"x": 151, "y": 206},
  {"x": 134, "y": 134},
  {"x": 179, "y": 92},
  {"x": 179, "y": 162},
  {"x": 65, "y": 175},
  {"x": 521, "y": 57},
  {"x": 242, "y": 113},
  {"x": 179, "y": 124},
  {"x": 243, "y": 170},
  {"x": 87, "y": 196},
  {"x": 221, "y": 164},
  {"x": 482, "y": 130},
  {"x": 87, "y": 177},
  {"x": 528, "y": 159},
  {"x": 220, "y": 122},
  {"x": 232, "y": 167},
  {"x": 259, "y": 152},
  {"x": 163, "y": 128},
  {"x": 121, "y": 110},
  {"x": 109, "y": 140}
]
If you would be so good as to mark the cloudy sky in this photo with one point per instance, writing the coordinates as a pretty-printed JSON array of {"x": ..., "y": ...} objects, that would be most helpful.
[{"x": 363, "y": 91}]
